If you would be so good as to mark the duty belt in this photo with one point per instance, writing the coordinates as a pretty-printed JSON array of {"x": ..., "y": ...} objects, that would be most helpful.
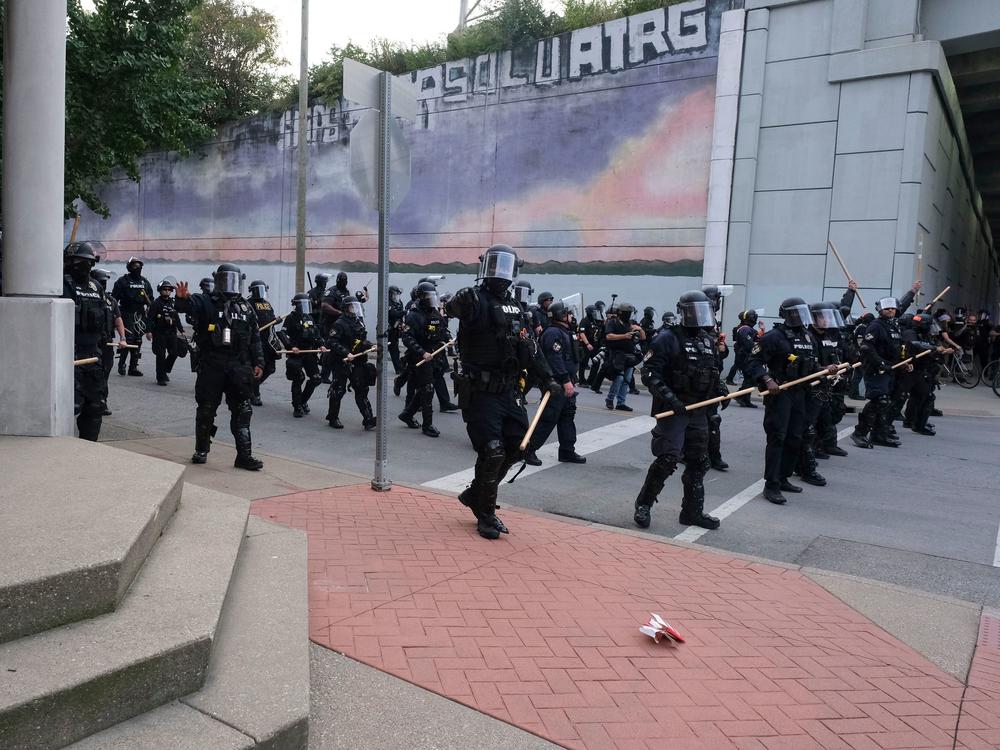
[{"x": 486, "y": 381}]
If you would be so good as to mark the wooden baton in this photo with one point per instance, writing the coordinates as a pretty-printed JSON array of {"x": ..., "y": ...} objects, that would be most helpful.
[
  {"x": 846, "y": 273},
  {"x": 434, "y": 354},
  {"x": 87, "y": 361},
  {"x": 534, "y": 420},
  {"x": 352, "y": 357}
]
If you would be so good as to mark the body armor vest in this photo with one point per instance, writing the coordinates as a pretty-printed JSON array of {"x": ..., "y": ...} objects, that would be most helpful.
[
  {"x": 495, "y": 341},
  {"x": 802, "y": 359},
  {"x": 90, "y": 316},
  {"x": 696, "y": 375}
]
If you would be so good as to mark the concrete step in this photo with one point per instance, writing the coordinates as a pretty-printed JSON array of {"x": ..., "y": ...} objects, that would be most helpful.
[
  {"x": 77, "y": 520},
  {"x": 256, "y": 693},
  {"x": 70, "y": 682}
]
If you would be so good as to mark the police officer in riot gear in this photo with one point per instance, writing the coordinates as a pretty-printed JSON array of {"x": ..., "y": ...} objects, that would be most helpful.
[
  {"x": 91, "y": 321},
  {"x": 348, "y": 340},
  {"x": 648, "y": 325},
  {"x": 828, "y": 326},
  {"x": 560, "y": 413},
  {"x": 493, "y": 354},
  {"x": 817, "y": 397},
  {"x": 302, "y": 337},
  {"x": 426, "y": 330},
  {"x": 134, "y": 294},
  {"x": 396, "y": 315},
  {"x": 113, "y": 325},
  {"x": 681, "y": 368},
  {"x": 264, "y": 311},
  {"x": 539, "y": 312},
  {"x": 225, "y": 329},
  {"x": 522, "y": 291},
  {"x": 207, "y": 285},
  {"x": 919, "y": 383},
  {"x": 667, "y": 320},
  {"x": 783, "y": 354},
  {"x": 163, "y": 324},
  {"x": 744, "y": 336},
  {"x": 881, "y": 348}
]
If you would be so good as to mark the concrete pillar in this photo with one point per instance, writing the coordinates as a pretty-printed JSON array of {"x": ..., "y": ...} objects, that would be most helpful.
[{"x": 36, "y": 328}]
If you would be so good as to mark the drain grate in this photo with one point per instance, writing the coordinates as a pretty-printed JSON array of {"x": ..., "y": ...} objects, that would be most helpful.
[{"x": 989, "y": 632}]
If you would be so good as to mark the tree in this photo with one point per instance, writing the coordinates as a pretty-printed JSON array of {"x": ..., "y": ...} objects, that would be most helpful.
[{"x": 235, "y": 50}]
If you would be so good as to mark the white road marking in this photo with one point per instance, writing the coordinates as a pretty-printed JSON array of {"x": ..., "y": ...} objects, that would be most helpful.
[
  {"x": 996, "y": 551},
  {"x": 737, "y": 501},
  {"x": 586, "y": 443}
]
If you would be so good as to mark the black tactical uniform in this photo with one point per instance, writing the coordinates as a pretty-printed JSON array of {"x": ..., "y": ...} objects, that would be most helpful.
[
  {"x": 557, "y": 345},
  {"x": 225, "y": 330},
  {"x": 269, "y": 342},
  {"x": 134, "y": 294},
  {"x": 349, "y": 337},
  {"x": 111, "y": 332},
  {"x": 91, "y": 319},
  {"x": 425, "y": 331},
  {"x": 828, "y": 325},
  {"x": 164, "y": 323},
  {"x": 713, "y": 412},
  {"x": 494, "y": 350},
  {"x": 881, "y": 347},
  {"x": 396, "y": 315},
  {"x": 589, "y": 330},
  {"x": 681, "y": 368},
  {"x": 744, "y": 337},
  {"x": 649, "y": 327},
  {"x": 300, "y": 331},
  {"x": 783, "y": 354},
  {"x": 816, "y": 397},
  {"x": 920, "y": 383}
]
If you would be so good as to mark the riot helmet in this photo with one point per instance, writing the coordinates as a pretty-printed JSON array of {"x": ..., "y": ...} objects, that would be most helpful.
[
  {"x": 885, "y": 304},
  {"x": 498, "y": 267},
  {"x": 544, "y": 297},
  {"x": 845, "y": 314},
  {"x": 342, "y": 281},
  {"x": 599, "y": 310},
  {"x": 649, "y": 311},
  {"x": 207, "y": 285},
  {"x": 394, "y": 294},
  {"x": 906, "y": 321},
  {"x": 258, "y": 290},
  {"x": 322, "y": 279},
  {"x": 669, "y": 318},
  {"x": 558, "y": 311},
  {"x": 696, "y": 310},
  {"x": 134, "y": 266},
  {"x": 922, "y": 322},
  {"x": 302, "y": 304},
  {"x": 625, "y": 311},
  {"x": 795, "y": 312},
  {"x": 102, "y": 276},
  {"x": 169, "y": 284},
  {"x": 748, "y": 318},
  {"x": 429, "y": 280},
  {"x": 716, "y": 292},
  {"x": 523, "y": 291},
  {"x": 353, "y": 309},
  {"x": 826, "y": 316},
  {"x": 83, "y": 251},
  {"x": 427, "y": 296},
  {"x": 227, "y": 279}
]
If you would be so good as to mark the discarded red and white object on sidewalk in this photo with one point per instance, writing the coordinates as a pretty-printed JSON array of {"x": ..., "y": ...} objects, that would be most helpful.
[{"x": 657, "y": 628}]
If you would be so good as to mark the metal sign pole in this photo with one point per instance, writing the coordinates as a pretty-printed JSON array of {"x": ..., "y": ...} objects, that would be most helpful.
[{"x": 380, "y": 480}]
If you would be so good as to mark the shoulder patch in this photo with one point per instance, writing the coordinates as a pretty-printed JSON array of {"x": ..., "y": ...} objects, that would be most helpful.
[
  {"x": 756, "y": 348},
  {"x": 556, "y": 346}
]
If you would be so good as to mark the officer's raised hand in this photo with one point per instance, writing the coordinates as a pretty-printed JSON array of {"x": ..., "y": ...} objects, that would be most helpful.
[{"x": 182, "y": 290}]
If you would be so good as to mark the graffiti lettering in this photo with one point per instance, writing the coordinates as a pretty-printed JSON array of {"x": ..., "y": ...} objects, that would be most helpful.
[{"x": 620, "y": 44}]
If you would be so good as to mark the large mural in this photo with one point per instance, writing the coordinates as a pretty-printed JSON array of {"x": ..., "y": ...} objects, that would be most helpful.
[{"x": 589, "y": 152}]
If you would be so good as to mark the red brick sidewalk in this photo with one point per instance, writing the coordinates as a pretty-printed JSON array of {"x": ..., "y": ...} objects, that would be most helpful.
[{"x": 540, "y": 629}]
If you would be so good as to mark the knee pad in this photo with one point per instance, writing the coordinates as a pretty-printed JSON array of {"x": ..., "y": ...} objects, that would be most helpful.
[
  {"x": 315, "y": 380},
  {"x": 204, "y": 414},
  {"x": 664, "y": 465},
  {"x": 492, "y": 456},
  {"x": 92, "y": 410},
  {"x": 337, "y": 391},
  {"x": 715, "y": 422}
]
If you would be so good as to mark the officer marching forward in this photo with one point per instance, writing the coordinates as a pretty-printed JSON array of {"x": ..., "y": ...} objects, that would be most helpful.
[
  {"x": 90, "y": 387},
  {"x": 163, "y": 325},
  {"x": 681, "y": 368},
  {"x": 134, "y": 294},
  {"x": 557, "y": 345},
  {"x": 301, "y": 332},
  {"x": 225, "y": 329},
  {"x": 264, "y": 311},
  {"x": 783, "y": 354},
  {"x": 493, "y": 352},
  {"x": 425, "y": 331},
  {"x": 113, "y": 325},
  {"x": 348, "y": 343}
]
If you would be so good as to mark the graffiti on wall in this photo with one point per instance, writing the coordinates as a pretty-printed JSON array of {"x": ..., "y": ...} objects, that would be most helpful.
[{"x": 589, "y": 152}]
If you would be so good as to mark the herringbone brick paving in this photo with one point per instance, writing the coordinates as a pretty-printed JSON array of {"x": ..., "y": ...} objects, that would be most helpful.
[{"x": 540, "y": 629}]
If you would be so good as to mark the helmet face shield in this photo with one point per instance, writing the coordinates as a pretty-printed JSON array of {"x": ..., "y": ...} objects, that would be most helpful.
[
  {"x": 354, "y": 308},
  {"x": 886, "y": 303},
  {"x": 522, "y": 294},
  {"x": 258, "y": 290},
  {"x": 798, "y": 316},
  {"x": 499, "y": 264},
  {"x": 826, "y": 319},
  {"x": 699, "y": 314},
  {"x": 430, "y": 299},
  {"x": 302, "y": 305},
  {"x": 227, "y": 282}
]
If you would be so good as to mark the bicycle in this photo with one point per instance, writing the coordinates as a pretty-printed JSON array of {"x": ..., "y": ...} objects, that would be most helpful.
[
  {"x": 996, "y": 383},
  {"x": 991, "y": 370},
  {"x": 965, "y": 371}
]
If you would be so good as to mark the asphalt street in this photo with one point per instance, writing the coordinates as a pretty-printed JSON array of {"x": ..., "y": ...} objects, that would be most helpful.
[{"x": 925, "y": 515}]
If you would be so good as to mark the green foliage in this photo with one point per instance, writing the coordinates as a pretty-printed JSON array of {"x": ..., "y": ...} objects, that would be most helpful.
[
  {"x": 505, "y": 24},
  {"x": 127, "y": 90},
  {"x": 234, "y": 52}
]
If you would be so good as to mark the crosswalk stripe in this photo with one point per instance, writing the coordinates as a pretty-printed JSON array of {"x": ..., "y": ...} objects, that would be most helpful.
[{"x": 586, "y": 443}]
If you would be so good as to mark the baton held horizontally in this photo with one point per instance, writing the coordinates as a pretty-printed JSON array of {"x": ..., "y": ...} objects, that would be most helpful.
[
  {"x": 87, "y": 361},
  {"x": 352, "y": 357},
  {"x": 434, "y": 354}
]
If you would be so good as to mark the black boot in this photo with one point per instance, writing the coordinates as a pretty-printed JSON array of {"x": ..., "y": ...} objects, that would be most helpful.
[
  {"x": 787, "y": 486},
  {"x": 773, "y": 495},
  {"x": 571, "y": 457},
  {"x": 657, "y": 474},
  {"x": 240, "y": 425},
  {"x": 835, "y": 450},
  {"x": 693, "y": 506},
  {"x": 297, "y": 411},
  {"x": 813, "y": 478},
  {"x": 531, "y": 458},
  {"x": 717, "y": 463},
  {"x": 204, "y": 429},
  {"x": 409, "y": 421},
  {"x": 641, "y": 516}
]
